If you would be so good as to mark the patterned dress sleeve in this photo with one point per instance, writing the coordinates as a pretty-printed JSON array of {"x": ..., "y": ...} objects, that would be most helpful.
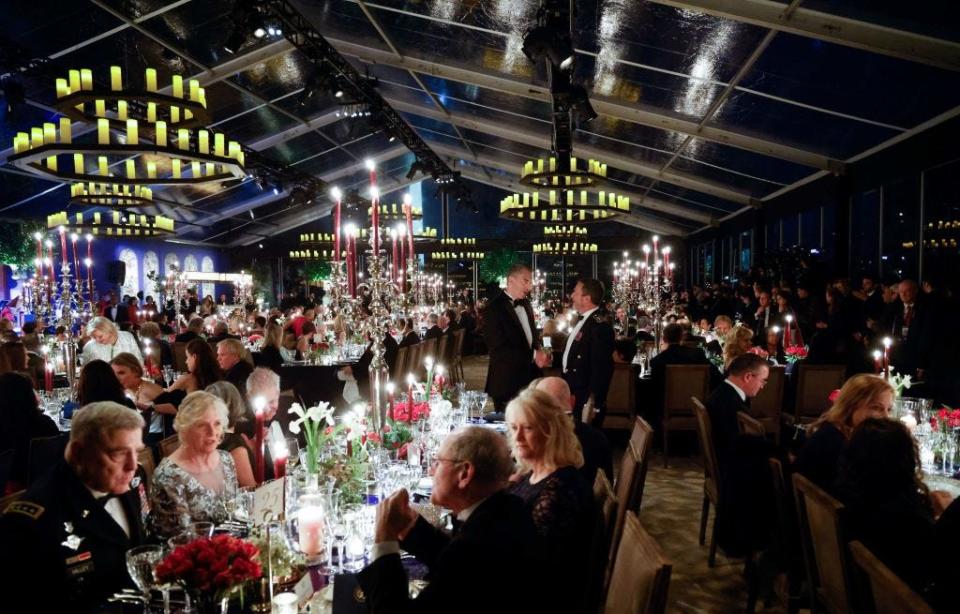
[
  {"x": 556, "y": 510},
  {"x": 169, "y": 512}
]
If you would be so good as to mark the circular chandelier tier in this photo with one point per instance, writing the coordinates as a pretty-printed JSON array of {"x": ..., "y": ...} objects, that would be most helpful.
[
  {"x": 427, "y": 235},
  {"x": 112, "y": 224},
  {"x": 315, "y": 254},
  {"x": 565, "y": 231},
  {"x": 395, "y": 213},
  {"x": 316, "y": 238},
  {"x": 549, "y": 174},
  {"x": 48, "y": 151},
  {"x": 457, "y": 255},
  {"x": 183, "y": 107},
  {"x": 565, "y": 248},
  {"x": 458, "y": 241},
  {"x": 564, "y": 207},
  {"x": 110, "y": 195}
]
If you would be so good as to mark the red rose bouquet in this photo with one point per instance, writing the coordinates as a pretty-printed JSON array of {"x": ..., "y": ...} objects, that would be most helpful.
[
  {"x": 794, "y": 353},
  {"x": 762, "y": 353},
  {"x": 402, "y": 412},
  {"x": 945, "y": 420},
  {"x": 211, "y": 568}
]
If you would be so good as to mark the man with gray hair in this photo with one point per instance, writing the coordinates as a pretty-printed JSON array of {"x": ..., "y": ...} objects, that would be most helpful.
[
  {"x": 493, "y": 533},
  {"x": 69, "y": 533},
  {"x": 596, "y": 448}
]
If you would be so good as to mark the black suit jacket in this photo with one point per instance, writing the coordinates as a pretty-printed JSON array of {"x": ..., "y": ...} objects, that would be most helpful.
[
  {"x": 722, "y": 406},
  {"x": 489, "y": 566},
  {"x": 511, "y": 357},
  {"x": 41, "y": 560},
  {"x": 590, "y": 360},
  {"x": 410, "y": 338},
  {"x": 596, "y": 452},
  {"x": 238, "y": 374},
  {"x": 434, "y": 332},
  {"x": 361, "y": 369},
  {"x": 911, "y": 352},
  {"x": 676, "y": 355}
]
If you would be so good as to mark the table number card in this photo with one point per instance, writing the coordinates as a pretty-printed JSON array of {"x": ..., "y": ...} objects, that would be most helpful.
[{"x": 269, "y": 501}]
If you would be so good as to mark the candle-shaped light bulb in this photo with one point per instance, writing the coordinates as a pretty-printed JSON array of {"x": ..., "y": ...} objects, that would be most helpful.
[
  {"x": 788, "y": 318},
  {"x": 370, "y": 164},
  {"x": 887, "y": 342},
  {"x": 336, "y": 193},
  {"x": 877, "y": 355},
  {"x": 411, "y": 380},
  {"x": 259, "y": 404}
]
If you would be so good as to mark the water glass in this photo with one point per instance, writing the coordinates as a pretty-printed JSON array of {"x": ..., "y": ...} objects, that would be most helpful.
[{"x": 141, "y": 562}]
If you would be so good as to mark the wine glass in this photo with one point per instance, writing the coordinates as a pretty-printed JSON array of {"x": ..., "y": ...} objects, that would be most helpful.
[
  {"x": 293, "y": 457},
  {"x": 141, "y": 562}
]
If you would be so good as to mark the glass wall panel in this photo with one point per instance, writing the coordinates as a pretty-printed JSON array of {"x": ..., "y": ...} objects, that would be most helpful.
[
  {"x": 941, "y": 232},
  {"x": 865, "y": 233},
  {"x": 791, "y": 230},
  {"x": 810, "y": 228},
  {"x": 773, "y": 236},
  {"x": 900, "y": 256},
  {"x": 746, "y": 250}
]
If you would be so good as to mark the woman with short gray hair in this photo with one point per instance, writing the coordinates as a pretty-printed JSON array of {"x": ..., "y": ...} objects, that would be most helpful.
[
  {"x": 194, "y": 483},
  {"x": 106, "y": 341}
]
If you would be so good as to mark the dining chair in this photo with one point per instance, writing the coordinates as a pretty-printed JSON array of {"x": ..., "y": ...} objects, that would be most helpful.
[
  {"x": 814, "y": 385},
  {"x": 180, "y": 356},
  {"x": 641, "y": 439},
  {"x": 891, "y": 595},
  {"x": 401, "y": 366},
  {"x": 605, "y": 504},
  {"x": 456, "y": 367},
  {"x": 44, "y": 453},
  {"x": 169, "y": 445},
  {"x": 621, "y": 397},
  {"x": 145, "y": 460},
  {"x": 749, "y": 425},
  {"x": 767, "y": 406},
  {"x": 820, "y": 517},
  {"x": 712, "y": 490},
  {"x": 640, "y": 580},
  {"x": 681, "y": 383},
  {"x": 625, "y": 486}
]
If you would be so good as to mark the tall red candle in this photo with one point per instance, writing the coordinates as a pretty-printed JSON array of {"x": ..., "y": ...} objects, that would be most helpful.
[
  {"x": 258, "y": 456},
  {"x": 53, "y": 276},
  {"x": 393, "y": 262},
  {"x": 375, "y": 204},
  {"x": 280, "y": 466},
  {"x": 63, "y": 245},
  {"x": 47, "y": 375}
]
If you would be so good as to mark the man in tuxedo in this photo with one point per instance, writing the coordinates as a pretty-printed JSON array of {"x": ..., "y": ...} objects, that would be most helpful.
[
  {"x": 220, "y": 332},
  {"x": 230, "y": 357},
  {"x": 489, "y": 564},
  {"x": 194, "y": 330},
  {"x": 763, "y": 318},
  {"x": 746, "y": 378},
  {"x": 595, "y": 445},
  {"x": 675, "y": 353},
  {"x": 908, "y": 318},
  {"x": 65, "y": 540},
  {"x": 588, "y": 355},
  {"x": 434, "y": 332},
  {"x": 448, "y": 322},
  {"x": 510, "y": 333},
  {"x": 116, "y": 312}
]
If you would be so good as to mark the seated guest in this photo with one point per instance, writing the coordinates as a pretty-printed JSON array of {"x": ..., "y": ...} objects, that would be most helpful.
[
  {"x": 738, "y": 341},
  {"x": 623, "y": 351},
  {"x": 722, "y": 325},
  {"x": 494, "y": 532},
  {"x": 560, "y": 501},
  {"x": 194, "y": 331},
  {"x": 147, "y": 396},
  {"x": 746, "y": 377},
  {"x": 233, "y": 441},
  {"x": 234, "y": 361},
  {"x": 889, "y": 509},
  {"x": 191, "y": 484},
  {"x": 448, "y": 322},
  {"x": 99, "y": 383},
  {"x": 106, "y": 341},
  {"x": 862, "y": 396},
  {"x": 270, "y": 355},
  {"x": 163, "y": 356},
  {"x": 433, "y": 331},
  {"x": 773, "y": 348},
  {"x": 220, "y": 332},
  {"x": 265, "y": 383},
  {"x": 594, "y": 444},
  {"x": 202, "y": 368},
  {"x": 305, "y": 341},
  {"x": 288, "y": 349},
  {"x": 20, "y": 421},
  {"x": 71, "y": 530},
  {"x": 409, "y": 336}
]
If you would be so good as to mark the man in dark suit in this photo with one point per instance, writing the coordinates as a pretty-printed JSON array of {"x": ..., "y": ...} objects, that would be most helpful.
[
  {"x": 746, "y": 378},
  {"x": 763, "y": 318},
  {"x": 116, "y": 312},
  {"x": 510, "y": 333},
  {"x": 493, "y": 534},
  {"x": 673, "y": 354},
  {"x": 194, "y": 330},
  {"x": 361, "y": 370},
  {"x": 221, "y": 332},
  {"x": 597, "y": 453},
  {"x": 230, "y": 357},
  {"x": 908, "y": 321},
  {"x": 588, "y": 355},
  {"x": 65, "y": 540},
  {"x": 448, "y": 322},
  {"x": 434, "y": 331}
]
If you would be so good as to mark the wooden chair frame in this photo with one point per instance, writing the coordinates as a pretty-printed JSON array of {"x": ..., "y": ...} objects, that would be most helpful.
[
  {"x": 680, "y": 383},
  {"x": 712, "y": 490}
]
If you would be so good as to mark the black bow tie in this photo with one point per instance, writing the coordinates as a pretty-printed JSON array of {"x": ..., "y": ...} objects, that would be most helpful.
[
  {"x": 519, "y": 302},
  {"x": 106, "y": 498}
]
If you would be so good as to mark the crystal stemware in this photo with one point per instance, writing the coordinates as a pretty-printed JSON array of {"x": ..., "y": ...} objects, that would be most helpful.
[{"x": 141, "y": 562}]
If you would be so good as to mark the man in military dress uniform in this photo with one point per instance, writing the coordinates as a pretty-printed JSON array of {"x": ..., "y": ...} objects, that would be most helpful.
[
  {"x": 63, "y": 544},
  {"x": 588, "y": 355}
]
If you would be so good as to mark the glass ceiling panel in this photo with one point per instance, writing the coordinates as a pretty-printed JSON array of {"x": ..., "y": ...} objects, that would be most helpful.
[
  {"x": 710, "y": 173},
  {"x": 225, "y": 102},
  {"x": 922, "y": 17},
  {"x": 837, "y": 137},
  {"x": 277, "y": 77},
  {"x": 712, "y": 204},
  {"x": 340, "y": 19},
  {"x": 45, "y": 27},
  {"x": 257, "y": 124},
  {"x": 299, "y": 148},
  {"x": 855, "y": 82},
  {"x": 200, "y": 29},
  {"x": 733, "y": 160},
  {"x": 471, "y": 97}
]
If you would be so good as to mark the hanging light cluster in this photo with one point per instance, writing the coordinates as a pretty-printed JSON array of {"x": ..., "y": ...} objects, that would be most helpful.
[
  {"x": 547, "y": 174},
  {"x": 458, "y": 241},
  {"x": 393, "y": 213},
  {"x": 177, "y": 155},
  {"x": 110, "y": 195},
  {"x": 112, "y": 224},
  {"x": 316, "y": 238},
  {"x": 315, "y": 254},
  {"x": 566, "y": 248},
  {"x": 565, "y": 232},
  {"x": 564, "y": 207},
  {"x": 457, "y": 255}
]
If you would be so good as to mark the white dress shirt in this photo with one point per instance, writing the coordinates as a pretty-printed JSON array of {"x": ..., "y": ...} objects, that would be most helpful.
[
  {"x": 524, "y": 322},
  {"x": 573, "y": 334},
  {"x": 743, "y": 395},
  {"x": 114, "y": 508}
]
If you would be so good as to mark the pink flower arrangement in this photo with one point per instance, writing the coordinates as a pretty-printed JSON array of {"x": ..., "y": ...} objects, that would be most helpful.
[{"x": 762, "y": 353}]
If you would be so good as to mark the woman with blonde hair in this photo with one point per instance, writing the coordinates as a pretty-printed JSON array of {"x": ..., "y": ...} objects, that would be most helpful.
[
  {"x": 862, "y": 396},
  {"x": 739, "y": 341},
  {"x": 549, "y": 455},
  {"x": 194, "y": 483},
  {"x": 233, "y": 441}
]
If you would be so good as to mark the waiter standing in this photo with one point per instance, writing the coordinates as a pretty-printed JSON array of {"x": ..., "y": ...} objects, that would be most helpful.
[
  {"x": 588, "y": 355},
  {"x": 516, "y": 356}
]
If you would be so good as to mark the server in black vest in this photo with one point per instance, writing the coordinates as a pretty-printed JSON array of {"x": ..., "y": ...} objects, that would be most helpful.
[
  {"x": 512, "y": 342},
  {"x": 588, "y": 355},
  {"x": 64, "y": 542}
]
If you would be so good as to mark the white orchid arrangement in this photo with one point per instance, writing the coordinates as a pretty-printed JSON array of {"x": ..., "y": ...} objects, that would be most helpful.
[
  {"x": 317, "y": 425},
  {"x": 899, "y": 383}
]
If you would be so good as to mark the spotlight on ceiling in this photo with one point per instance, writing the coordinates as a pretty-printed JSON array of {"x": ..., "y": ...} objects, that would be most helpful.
[
  {"x": 545, "y": 43},
  {"x": 417, "y": 167}
]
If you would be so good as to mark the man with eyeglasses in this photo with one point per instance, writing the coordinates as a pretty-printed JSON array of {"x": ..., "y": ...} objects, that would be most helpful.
[
  {"x": 747, "y": 376},
  {"x": 489, "y": 563}
]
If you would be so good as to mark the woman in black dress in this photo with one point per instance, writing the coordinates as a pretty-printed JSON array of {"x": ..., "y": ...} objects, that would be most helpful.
[
  {"x": 862, "y": 396},
  {"x": 560, "y": 501},
  {"x": 20, "y": 421}
]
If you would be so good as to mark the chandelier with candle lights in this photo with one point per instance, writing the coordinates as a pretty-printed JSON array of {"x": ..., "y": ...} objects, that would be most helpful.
[
  {"x": 458, "y": 241},
  {"x": 393, "y": 213},
  {"x": 316, "y": 238},
  {"x": 553, "y": 173},
  {"x": 564, "y": 248},
  {"x": 110, "y": 195},
  {"x": 565, "y": 231},
  {"x": 112, "y": 224},
  {"x": 564, "y": 207},
  {"x": 457, "y": 255},
  {"x": 157, "y": 143}
]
